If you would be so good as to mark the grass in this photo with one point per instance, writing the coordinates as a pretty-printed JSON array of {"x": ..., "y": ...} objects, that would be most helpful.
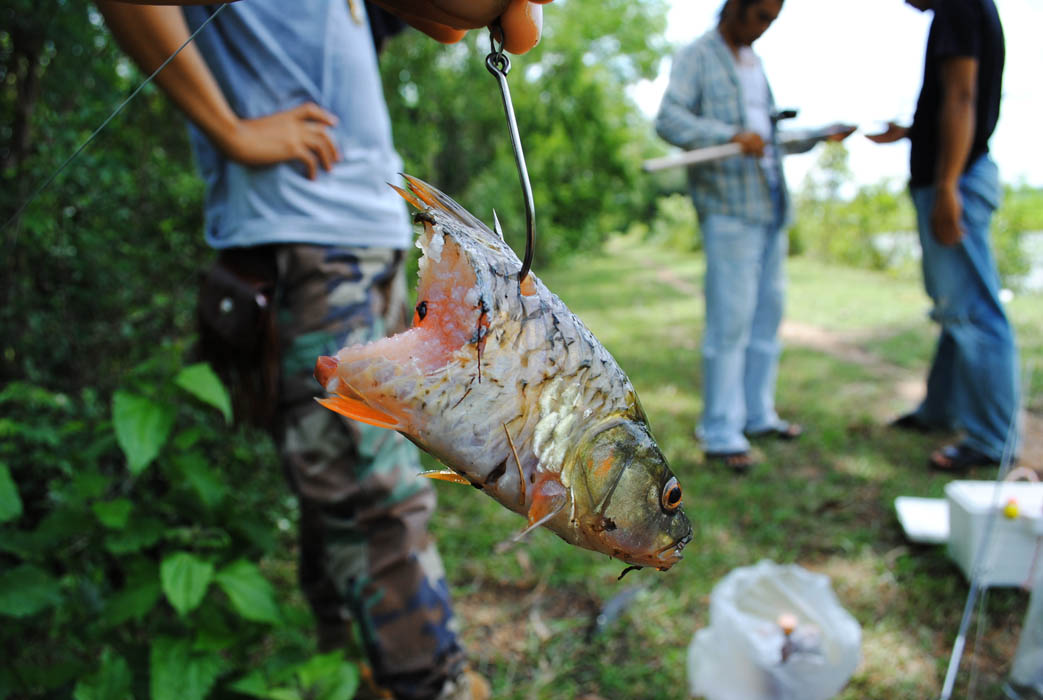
[{"x": 825, "y": 502}]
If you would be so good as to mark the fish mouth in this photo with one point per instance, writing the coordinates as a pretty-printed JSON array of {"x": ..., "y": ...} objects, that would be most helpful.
[
  {"x": 662, "y": 558},
  {"x": 669, "y": 555}
]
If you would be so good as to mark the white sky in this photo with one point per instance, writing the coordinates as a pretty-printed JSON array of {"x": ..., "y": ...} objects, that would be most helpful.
[{"x": 860, "y": 62}]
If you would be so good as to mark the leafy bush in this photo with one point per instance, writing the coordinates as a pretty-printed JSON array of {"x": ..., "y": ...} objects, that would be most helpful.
[
  {"x": 128, "y": 548},
  {"x": 583, "y": 137},
  {"x": 835, "y": 228},
  {"x": 675, "y": 225}
]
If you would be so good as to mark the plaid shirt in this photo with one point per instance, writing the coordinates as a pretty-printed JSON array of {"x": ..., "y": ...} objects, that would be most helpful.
[{"x": 703, "y": 106}]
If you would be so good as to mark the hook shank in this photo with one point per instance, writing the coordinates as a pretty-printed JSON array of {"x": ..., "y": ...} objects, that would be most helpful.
[{"x": 499, "y": 65}]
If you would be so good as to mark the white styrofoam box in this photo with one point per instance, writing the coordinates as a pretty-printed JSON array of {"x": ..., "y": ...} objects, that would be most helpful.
[
  {"x": 924, "y": 520},
  {"x": 1015, "y": 544}
]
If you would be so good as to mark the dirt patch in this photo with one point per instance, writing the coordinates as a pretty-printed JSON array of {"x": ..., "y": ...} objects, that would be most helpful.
[
  {"x": 906, "y": 385},
  {"x": 505, "y": 621}
]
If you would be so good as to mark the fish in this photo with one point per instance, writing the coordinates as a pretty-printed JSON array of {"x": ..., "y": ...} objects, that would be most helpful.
[{"x": 506, "y": 387}]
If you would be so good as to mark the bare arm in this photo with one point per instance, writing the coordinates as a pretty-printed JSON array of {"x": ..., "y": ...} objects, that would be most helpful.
[
  {"x": 891, "y": 134},
  {"x": 448, "y": 20},
  {"x": 149, "y": 34},
  {"x": 955, "y": 137}
]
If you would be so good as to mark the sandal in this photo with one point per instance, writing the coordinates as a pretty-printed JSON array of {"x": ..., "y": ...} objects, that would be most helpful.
[
  {"x": 737, "y": 462},
  {"x": 783, "y": 431},
  {"x": 956, "y": 459}
]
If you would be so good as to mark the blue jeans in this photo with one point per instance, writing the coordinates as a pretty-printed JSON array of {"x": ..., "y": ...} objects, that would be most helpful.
[
  {"x": 745, "y": 288},
  {"x": 973, "y": 384}
]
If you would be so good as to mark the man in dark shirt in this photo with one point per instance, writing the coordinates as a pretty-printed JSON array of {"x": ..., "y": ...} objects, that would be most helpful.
[{"x": 972, "y": 385}]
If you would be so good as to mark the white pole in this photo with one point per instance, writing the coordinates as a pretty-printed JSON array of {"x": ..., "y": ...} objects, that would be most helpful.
[{"x": 699, "y": 155}]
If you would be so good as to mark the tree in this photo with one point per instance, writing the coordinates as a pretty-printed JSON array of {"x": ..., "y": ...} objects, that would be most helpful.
[{"x": 583, "y": 137}]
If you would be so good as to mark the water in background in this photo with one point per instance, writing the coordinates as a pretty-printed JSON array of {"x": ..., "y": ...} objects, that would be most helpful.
[{"x": 903, "y": 247}]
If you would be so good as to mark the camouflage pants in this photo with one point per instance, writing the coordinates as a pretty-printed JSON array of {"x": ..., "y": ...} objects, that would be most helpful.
[{"x": 365, "y": 552}]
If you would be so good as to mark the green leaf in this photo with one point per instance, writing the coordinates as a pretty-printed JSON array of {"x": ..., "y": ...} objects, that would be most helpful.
[
  {"x": 200, "y": 381},
  {"x": 185, "y": 578},
  {"x": 203, "y": 477},
  {"x": 10, "y": 501},
  {"x": 250, "y": 592},
  {"x": 136, "y": 599},
  {"x": 26, "y": 590},
  {"x": 178, "y": 673},
  {"x": 142, "y": 427},
  {"x": 329, "y": 677},
  {"x": 19, "y": 543},
  {"x": 142, "y": 532},
  {"x": 253, "y": 684},
  {"x": 113, "y": 514},
  {"x": 112, "y": 681},
  {"x": 87, "y": 485}
]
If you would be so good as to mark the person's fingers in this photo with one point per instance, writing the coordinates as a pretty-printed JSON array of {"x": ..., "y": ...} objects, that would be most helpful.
[
  {"x": 324, "y": 147},
  {"x": 320, "y": 150},
  {"x": 522, "y": 23},
  {"x": 456, "y": 14},
  {"x": 468, "y": 13},
  {"x": 311, "y": 166},
  {"x": 439, "y": 32},
  {"x": 312, "y": 111}
]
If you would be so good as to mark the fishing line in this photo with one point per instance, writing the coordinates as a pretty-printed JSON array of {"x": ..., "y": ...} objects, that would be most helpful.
[
  {"x": 1006, "y": 460},
  {"x": 39, "y": 190}
]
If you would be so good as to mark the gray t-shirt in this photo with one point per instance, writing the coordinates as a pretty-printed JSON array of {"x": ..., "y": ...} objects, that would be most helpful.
[{"x": 268, "y": 56}]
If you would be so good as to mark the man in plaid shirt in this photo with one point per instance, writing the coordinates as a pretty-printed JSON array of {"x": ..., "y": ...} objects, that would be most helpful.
[{"x": 718, "y": 94}]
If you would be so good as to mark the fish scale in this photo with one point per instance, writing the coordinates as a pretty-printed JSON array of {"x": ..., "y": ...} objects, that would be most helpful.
[{"x": 526, "y": 404}]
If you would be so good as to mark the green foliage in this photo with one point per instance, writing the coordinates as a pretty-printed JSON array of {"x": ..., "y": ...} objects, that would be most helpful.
[
  {"x": 583, "y": 137},
  {"x": 100, "y": 261},
  {"x": 675, "y": 225},
  {"x": 130, "y": 545},
  {"x": 831, "y": 226},
  {"x": 323, "y": 677},
  {"x": 1020, "y": 211}
]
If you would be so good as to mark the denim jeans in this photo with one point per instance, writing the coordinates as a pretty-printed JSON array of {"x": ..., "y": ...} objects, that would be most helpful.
[
  {"x": 745, "y": 288},
  {"x": 972, "y": 384}
]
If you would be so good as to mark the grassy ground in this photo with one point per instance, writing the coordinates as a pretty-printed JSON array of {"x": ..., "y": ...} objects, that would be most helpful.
[{"x": 854, "y": 340}]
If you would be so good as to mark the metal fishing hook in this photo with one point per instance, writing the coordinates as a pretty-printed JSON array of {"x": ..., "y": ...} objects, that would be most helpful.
[{"x": 499, "y": 65}]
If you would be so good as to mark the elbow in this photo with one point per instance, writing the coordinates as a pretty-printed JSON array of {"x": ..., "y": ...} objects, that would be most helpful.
[
  {"x": 660, "y": 127},
  {"x": 663, "y": 126}
]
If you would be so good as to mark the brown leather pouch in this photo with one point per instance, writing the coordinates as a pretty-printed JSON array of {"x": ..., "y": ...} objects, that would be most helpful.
[{"x": 237, "y": 329}]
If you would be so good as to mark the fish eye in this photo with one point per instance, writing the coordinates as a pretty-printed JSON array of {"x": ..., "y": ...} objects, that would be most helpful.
[{"x": 671, "y": 497}]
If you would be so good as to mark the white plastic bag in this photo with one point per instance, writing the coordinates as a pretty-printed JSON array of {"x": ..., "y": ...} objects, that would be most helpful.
[{"x": 745, "y": 654}]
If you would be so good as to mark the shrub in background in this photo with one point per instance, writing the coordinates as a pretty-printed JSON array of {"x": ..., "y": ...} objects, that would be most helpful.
[{"x": 139, "y": 545}]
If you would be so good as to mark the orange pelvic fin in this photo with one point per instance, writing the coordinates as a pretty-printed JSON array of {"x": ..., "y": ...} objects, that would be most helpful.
[
  {"x": 353, "y": 408},
  {"x": 548, "y": 499},
  {"x": 445, "y": 475}
]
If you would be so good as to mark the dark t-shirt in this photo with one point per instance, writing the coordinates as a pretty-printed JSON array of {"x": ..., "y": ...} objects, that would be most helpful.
[{"x": 961, "y": 29}]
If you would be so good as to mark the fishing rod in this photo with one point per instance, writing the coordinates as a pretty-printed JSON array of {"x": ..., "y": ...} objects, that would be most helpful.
[{"x": 978, "y": 568}]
